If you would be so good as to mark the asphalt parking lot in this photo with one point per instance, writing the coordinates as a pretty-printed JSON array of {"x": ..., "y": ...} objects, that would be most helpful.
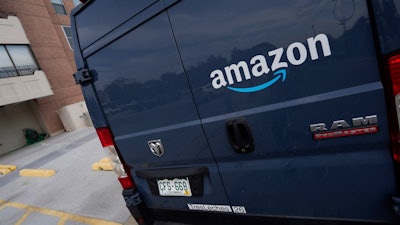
[{"x": 74, "y": 195}]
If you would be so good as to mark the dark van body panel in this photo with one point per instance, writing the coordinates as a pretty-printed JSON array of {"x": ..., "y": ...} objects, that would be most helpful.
[
  {"x": 387, "y": 14},
  {"x": 289, "y": 173},
  {"x": 89, "y": 28},
  {"x": 198, "y": 75},
  {"x": 147, "y": 98}
]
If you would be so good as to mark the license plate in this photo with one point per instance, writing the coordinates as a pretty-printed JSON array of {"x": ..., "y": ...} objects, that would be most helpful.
[{"x": 175, "y": 187}]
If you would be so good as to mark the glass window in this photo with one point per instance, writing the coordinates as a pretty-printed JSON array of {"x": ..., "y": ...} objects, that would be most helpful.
[
  {"x": 59, "y": 7},
  {"x": 77, "y": 2},
  {"x": 16, "y": 60},
  {"x": 22, "y": 58},
  {"x": 68, "y": 35},
  {"x": 7, "y": 69}
]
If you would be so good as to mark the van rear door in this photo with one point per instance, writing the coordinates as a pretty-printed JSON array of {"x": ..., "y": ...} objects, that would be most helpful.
[
  {"x": 290, "y": 98},
  {"x": 148, "y": 105}
]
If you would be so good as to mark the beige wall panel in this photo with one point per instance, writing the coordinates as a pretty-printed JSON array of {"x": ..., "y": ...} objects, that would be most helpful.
[{"x": 13, "y": 119}]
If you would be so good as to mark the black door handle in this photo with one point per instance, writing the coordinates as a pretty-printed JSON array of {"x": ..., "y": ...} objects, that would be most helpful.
[{"x": 239, "y": 135}]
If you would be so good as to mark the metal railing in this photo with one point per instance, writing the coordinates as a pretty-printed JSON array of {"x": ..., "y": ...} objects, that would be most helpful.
[{"x": 6, "y": 72}]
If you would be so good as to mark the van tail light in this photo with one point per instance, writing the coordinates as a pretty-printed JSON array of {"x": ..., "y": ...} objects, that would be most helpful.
[
  {"x": 394, "y": 68},
  {"x": 394, "y": 74},
  {"x": 107, "y": 141}
]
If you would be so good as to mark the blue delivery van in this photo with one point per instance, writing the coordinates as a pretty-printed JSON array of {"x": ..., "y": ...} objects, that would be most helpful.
[{"x": 246, "y": 112}]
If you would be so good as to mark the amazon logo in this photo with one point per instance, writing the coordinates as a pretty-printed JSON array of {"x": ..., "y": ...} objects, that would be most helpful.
[{"x": 296, "y": 54}]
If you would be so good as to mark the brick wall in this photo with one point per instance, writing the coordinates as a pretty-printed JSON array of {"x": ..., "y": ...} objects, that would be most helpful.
[{"x": 43, "y": 29}]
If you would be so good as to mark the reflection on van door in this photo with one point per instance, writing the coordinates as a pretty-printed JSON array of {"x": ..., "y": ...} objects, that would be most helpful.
[
  {"x": 223, "y": 45},
  {"x": 150, "y": 109}
]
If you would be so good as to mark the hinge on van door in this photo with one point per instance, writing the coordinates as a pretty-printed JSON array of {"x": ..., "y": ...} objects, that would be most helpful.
[{"x": 82, "y": 76}]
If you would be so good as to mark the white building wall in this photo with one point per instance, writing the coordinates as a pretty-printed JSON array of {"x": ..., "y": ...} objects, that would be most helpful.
[
  {"x": 12, "y": 32},
  {"x": 23, "y": 88}
]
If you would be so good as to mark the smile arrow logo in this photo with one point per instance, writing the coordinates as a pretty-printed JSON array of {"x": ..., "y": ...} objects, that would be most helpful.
[{"x": 278, "y": 75}]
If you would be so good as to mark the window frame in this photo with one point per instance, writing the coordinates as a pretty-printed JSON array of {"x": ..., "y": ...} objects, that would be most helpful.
[
  {"x": 70, "y": 43},
  {"x": 57, "y": 4}
]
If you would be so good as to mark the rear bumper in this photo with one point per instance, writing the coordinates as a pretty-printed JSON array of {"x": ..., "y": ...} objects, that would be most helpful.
[
  {"x": 150, "y": 216},
  {"x": 208, "y": 218},
  {"x": 137, "y": 207},
  {"x": 183, "y": 217}
]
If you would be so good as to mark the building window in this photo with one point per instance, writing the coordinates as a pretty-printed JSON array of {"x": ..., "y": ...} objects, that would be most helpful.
[
  {"x": 77, "y": 2},
  {"x": 59, "y": 7},
  {"x": 7, "y": 68},
  {"x": 68, "y": 35},
  {"x": 16, "y": 60}
]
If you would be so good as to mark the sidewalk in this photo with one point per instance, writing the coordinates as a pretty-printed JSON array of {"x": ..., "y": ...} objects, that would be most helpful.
[{"x": 75, "y": 190}]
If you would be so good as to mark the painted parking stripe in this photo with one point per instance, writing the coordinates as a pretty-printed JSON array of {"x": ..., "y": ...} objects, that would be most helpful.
[{"x": 63, "y": 217}]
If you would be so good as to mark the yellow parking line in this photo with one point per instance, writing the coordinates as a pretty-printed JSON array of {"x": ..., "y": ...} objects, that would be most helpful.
[
  {"x": 91, "y": 221},
  {"x": 63, "y": 216},
  {"x": 23, "y": 217},
  {"x": 62, "y": 221},
  {"x": 15, "y": 205}
]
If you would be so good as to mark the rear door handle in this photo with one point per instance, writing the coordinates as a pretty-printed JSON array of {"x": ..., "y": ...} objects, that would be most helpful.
[{"x": 240, "y": 136}]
